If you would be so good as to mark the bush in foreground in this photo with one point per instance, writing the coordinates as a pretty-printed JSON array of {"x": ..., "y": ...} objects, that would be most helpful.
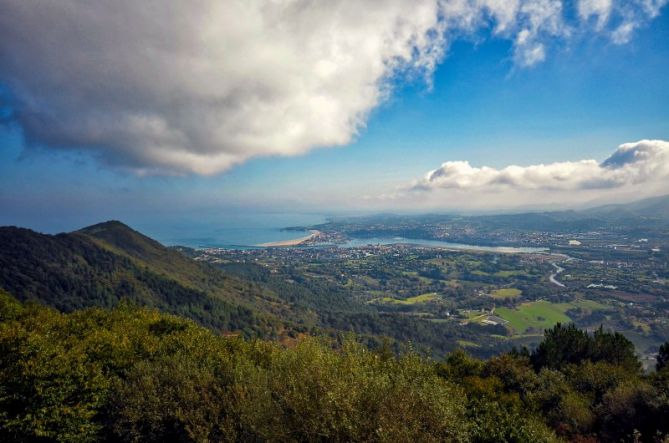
[{"x": 132, "y": 374}]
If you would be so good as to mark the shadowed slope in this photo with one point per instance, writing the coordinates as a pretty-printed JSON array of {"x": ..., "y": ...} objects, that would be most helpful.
[{"x": 104, "y": 263}]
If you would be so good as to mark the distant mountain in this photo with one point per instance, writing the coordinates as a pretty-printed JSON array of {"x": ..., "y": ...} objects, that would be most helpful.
[
  {"x": 651, "y": 209},
  {"x": 654, "y": 207},
  {"x": 107, "y": 262},
  {"x": 644, "y": 218}
]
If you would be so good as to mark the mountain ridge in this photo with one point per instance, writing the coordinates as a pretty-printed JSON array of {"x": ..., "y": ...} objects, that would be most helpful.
[{"x": 104, "y": 263}]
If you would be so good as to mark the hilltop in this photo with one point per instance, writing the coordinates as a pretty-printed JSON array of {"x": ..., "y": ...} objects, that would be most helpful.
[{"x": 107, "y": 262}]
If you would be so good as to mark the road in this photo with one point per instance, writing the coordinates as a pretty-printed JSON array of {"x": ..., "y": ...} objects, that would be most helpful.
[{"x": 558, "y": 270}]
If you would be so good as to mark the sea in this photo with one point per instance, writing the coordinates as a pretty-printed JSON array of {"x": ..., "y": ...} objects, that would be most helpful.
[{"x": 245, "y": 230}]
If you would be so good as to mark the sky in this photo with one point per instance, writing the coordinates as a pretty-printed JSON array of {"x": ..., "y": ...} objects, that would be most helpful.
[{"x": 171, "y": 109}]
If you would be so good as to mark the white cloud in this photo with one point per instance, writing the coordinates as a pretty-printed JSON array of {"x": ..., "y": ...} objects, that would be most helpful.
[
  {"x": 175, "y": 86},
  {"x": 623, "y": 33},
  {"x": 630, "y": 14},
  {"x": 634, "y": 170},
  {"x": 201, "y": 85},
  {"x": 646, "y": 161},
  {"x": 601, "y": 9}
]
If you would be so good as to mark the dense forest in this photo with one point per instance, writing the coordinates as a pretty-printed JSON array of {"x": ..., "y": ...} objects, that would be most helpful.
[
  {"x": 104, "y": 263},
  {"x": 135, "y": 374}
]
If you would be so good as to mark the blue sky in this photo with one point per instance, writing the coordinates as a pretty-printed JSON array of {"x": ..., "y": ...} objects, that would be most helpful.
[{"x": 588, "y": 96}]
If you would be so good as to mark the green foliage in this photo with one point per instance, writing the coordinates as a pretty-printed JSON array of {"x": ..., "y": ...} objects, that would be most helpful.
[
  {"x": 351, "y": 395},
  {"x": 103, "y": 264},
  {"x": 10, "y": 308},
  {"x": 48, "y": 386},
  {"x": 515, "y": 372},
  {"x": 495, "y": 391},
  {"x": 632, "y": 408},
  {"x": 493, "y": 423},
  {"x": 134, "y": 374},
  {"x": 564, "y": 345},
  {"x": 562, "y": 406},
  {"x": 581, "y": 386}
]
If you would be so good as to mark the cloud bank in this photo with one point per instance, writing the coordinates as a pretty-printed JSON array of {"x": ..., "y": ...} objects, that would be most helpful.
[
  {"x": 197, "y": 86},
  {"x": 640, "y": 163}
]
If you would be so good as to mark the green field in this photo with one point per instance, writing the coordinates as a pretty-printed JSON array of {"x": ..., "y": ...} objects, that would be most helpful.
[
  {"x": 468, "y": 344},
  {"x": 507, "y": 274},
  {"x": 506, "y": 293},
  {"x": 502, "y": 274},
  {"x": 475, "y": 314},
  {"x": 539, "y": 315},
  {"x": 423, "y": 298}
]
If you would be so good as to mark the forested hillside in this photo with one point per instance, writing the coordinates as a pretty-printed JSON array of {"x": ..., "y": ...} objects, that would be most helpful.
[
  {"x": 134, "y": 374},
  {"x": 102, "y": 264}
]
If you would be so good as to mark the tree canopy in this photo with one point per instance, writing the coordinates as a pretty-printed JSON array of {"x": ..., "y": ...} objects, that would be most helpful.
[{"x": 134, "y": 374}]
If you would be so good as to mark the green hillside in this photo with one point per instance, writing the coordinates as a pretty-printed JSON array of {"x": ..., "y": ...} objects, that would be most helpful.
[
  {"x": 144, "y": 251},
  {"x": 107, "y": 262}
]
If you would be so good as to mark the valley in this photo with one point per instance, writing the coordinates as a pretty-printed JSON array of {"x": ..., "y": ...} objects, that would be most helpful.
[
  {"x": 496, "y": 300},
  {"x": 516, "y": 275}
]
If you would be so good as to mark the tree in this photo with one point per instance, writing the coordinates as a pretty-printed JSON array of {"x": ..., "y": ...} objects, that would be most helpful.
[
  {"x": 662, "y": 357},
  {"x": 563, "y": 345}
]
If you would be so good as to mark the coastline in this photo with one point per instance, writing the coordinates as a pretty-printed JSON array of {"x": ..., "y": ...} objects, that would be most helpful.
[{"x": 293, "y": 242}]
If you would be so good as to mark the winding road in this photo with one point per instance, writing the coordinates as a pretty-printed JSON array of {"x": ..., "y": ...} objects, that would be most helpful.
[{"x": 558, "y": 270}]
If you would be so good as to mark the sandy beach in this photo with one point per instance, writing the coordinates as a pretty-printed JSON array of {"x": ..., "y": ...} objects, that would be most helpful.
[{"x": 293, "y": 242}]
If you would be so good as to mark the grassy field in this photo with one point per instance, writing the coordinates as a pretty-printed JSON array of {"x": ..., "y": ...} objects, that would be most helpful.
[
  {"x": 507, "y": 274},
  {"x": 468, "y": 344},
  {"x": 471, "y": 315},
  {"x": 506, "y": 293},
  {"x": 539, "y": 315},
  {"x": 501, "y": 274},
  {"x": 423, "y": 298}
]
